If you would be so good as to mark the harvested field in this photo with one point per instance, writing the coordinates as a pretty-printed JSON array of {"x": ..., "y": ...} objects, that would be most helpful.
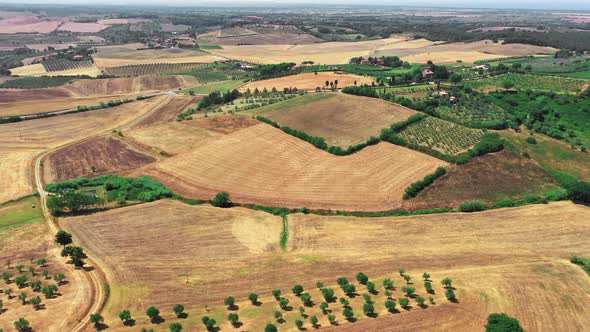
[
  {"x": 168, "y": 112},
  {"x": 486, "y": 179},
  {"x": 308, "y": 81},
  {"x": 82, "y": 27},
  {"x": 20, "y": 95},
  {"x": 30, "y": 237},
  {"x": 476, "y": 250},
  {"x": 123, "y": 55},
  {"x": 263, "y": 39},
  {"x": 113, "y": 21},
  {"x": 341, "y": 119},
  {"x": 16, "y": 177},
  {"x": 98, "y": 156},
  {"x": 109, "y": 86},
  {"x": 30, "y": 70},
  {"x": 172, "y": 138},
  {"x": 39, "y": 70},
  {"x": 263, "y": 165},
  {"x": 39, "y": 27},
  {"x": 109, "y": 63}
]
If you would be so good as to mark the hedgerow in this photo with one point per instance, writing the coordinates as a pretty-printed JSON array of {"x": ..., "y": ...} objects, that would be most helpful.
[
  {"x": 363, "y": 90},
  {"x": 582, "y": 261},
  {"x": 418, "y": 186},
  {"x": 472, "y": 207}
]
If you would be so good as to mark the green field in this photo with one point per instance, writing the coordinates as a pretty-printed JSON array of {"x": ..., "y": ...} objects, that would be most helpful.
[
  {"x": 217, "y": 86},
  {"x": 580, "y": 74},
  {"x": 256, "y": 101},
  {"x": 19, "y": 212},
  {"x": 210, "y": 47},
  {"x": 293, "y": 102},
  {"x": 525, "y": 82},
  {"x": 441, "y": 135},
  {"x": 36, "y": 82}
]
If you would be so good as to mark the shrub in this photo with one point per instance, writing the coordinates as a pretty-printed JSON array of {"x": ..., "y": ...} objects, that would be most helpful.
[
  {"x": 505, "y": 202},
  {"x": 450, "y": 294},
  {"x": 403, "y": 302},
  {"x": 390, "y": 305},
  {"x": 270, "y": 328},
  {"x": 222, "y": 200},
  {"x": 362, "y": 278},
  {"x": 579, "y": 192},
  {"x": 297, "y": 290},
  {"x": 472, "y": 207},
  {"x": 502, "y": 323}
]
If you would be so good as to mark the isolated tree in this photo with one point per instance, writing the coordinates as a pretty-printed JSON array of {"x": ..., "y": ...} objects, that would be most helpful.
[
  {"x": 64, "y": 238},
  {"x": 327, "y": 83},
  {"x": 297, "y": 290},
  {"x": 45, "y": 274},
  {"x": 302, "y": 311},
  {"x": 178, "y": 310},
  {"x": 431, "y": 299},
  {"x": 209, "y": 323},
  {"x": 319, "y": 285},
  {"x": 503, "y": 323},
  {"x": 344, "y": 302},
  {"x": 332, "y": 319},
  {"x": 401, "y": 272},
  {"x": 328, "y": 294},
  {"x": 96, "y": 319},
  {"x": 125, "y": 317},
  {"x": 371, "y": 287},
  {"x": 278, "y": 316},
  {"x": 426, "y": 276},
  {"x": 20, "y": 268},
  {"x": 362, "y": 278},
  {"x": 59, "y": 278},
  {"x": 388, "y": 284},
  {"x": 277, "y": 294},
  {"x": 324, "y": 307},
  {"x": 284, "y": 303},
  {"x": 342, "y": 281},
  {"x": 348, "y": 313},
  {"x": 8, "y": 263},
  {"x": 299, "y": 324},
  {"x": 175, "y": 327},
  {"x": 1, "y": 306},
  {"x": 253, "y": 298},
  {"x": 32, "y": 270},
  {"x": 41, "y": 262},
  {"x": 20, "y": 281},
  {"x": 22, "y": 325},
  {"x": 369, "y": 309},
  {"x": 403, "y": 302},
  {"x": 8, "y": 292},
  {"x": 6, "y": 276},
  {"x": 428, "y": 286},
  {"x": 76, "y": 254},
  {"x": 270, "y": 328},
  {"x": 390, "y": 305},
  {"x": 49, "y": 291},
  {"x": 447, "y": 282},
  {"x": 367, "y": 298},
  {"x": 153, "y": 313},
  {"x": 420, "y": 300},
  {"x": 349, "y": 289},
  {"x": 35, "y": 285},
  {"x": 23, "y": 297},
  {"x": 229, "y": 302},
  {"x": 450, "y": 294},
  {"x": 314, "y": 321},
  {"x": 222, "y": 200},
  {"x": 409, "y": 291},
  {"x": 408, "y": 279}
]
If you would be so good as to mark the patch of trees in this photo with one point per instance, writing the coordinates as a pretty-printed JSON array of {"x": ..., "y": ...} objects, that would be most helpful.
[
  {"x": 275, "y": 68},
  {"x": 72, "y": 201},
  {"x": 503, "y": 323},
  {"x": 415, "y": 188},
  {"x": 111, "y": 103},
  {"x": 218, "y": 98},
  {"x": 582, "y": 261},
  {"x": 362, "y": 90}
]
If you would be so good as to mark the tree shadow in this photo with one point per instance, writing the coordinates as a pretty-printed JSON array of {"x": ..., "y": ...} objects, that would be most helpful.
[
  {"x": 233, "y": 307},
  {"x": 101, "y": 326},
  {"x": 372, "y": 315},
  {"x": 63, "y": 282},
  {"x": 352, "y": 320},
  {"x": 423, "y": 306},
  {"x": 316, "y": 326},
  {"x": 88, "y": 268},
  {"x": 374, "y": 292},
  {"x": 257, "y": 303},
  {"x": 334, "y": 323},
  {"x": 393, "y": 311},
  {"x": 309, "y": 304},
  {"x": 158, "y": 320},
  {"x": 182, "y": 315},
  {"x": 237, "y": 325},
  {"x": 130, "y": 322},
  {"x": 408, "y": 308}
]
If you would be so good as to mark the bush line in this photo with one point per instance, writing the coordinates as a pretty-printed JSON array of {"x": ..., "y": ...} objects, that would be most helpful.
[
  {"x": 415, "y": 188},
  {"x": 583, "y": 262}
]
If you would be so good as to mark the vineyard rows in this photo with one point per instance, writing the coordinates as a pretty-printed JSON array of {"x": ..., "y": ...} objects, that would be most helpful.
[
  {"x": 441, "y": 135},
  {"x": 472, "y": 111},
  {"x": 65, "y": 64},
  {"x": 156, "y": 68}
]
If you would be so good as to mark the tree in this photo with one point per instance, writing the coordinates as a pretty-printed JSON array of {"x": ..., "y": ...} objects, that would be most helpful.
[
  {"x": 35, "y": 285},
  {"x": 20, "y": 268},
  {"x": 403, "y": 302},
  {"x": 153, "y": 313},
  {"x": 49, "y": 291},
  {"x": 229, "y": 302},
  {"x": 401, "y": 272},
  {"x": 503, "y": 323},
  {"x": 253, "y": 298},
  {"x": 450, "y": 294},
  {"x": 324, "y": 307},
  {"x": 314, "y": 321},
  {"x": 125, "y": 317},
  {"x": 21, "y": 325},
  {"x": 59, "y": 278},
  {"x": 306, "y": 298},
  {"x": 277, "y": 294},
  {"x": 1, "y": 306},
  {"x": 342, "y": 281},
  {"x": 348, "y": 313},
  {"x": 455, "y": 78},
  {"x": 20, "y": 281},
  {"x": 344, "y": 302},
  {"x": 431, "y": 299},
  {"x": 299, "y": 324},
  {"x": 76, "y": 254},
  {"x": 390, "y": 305},
  {"x": 349, "y": 289},
  {"x": 284, "y": 303},
  {"x": 8, "y": 292},
  {"x": 408, "y": 279},
  {"x": 447, "y": 282},
  {"x": 328, "y": 294},
  {"x": 96, "y": 319},
  {"x": 23, "y": 297},
  {"x": 507, "y": 85},
  {"x": 278, "y": 316},
  {"x": 41, "y": 262},
  {"x": 302, "y": 311},
  {"x": 319, "y": 285},
  {"x": 6, "y": 276},
  {"x": 362, "y": 278},
  {"x": 332, "y": 319},
  {"x": 45, "y": 274},
  {"x": 428, "y": 286},
  {"x": 409, "y": 291},
  {"x": 371, "y": 287},
  {"x": 388, "y": 284},
  {"x": 222, "y": 200},
  {"x": 209, "y": 323},
  {"x": 64, "y": 238},
  {"x": 270, "y": 328},
  {"x": 369, "y": 309},
  {"x": 32, "y": 270},
  {"x": 426, "y": 276},
  {"x": 579, "y": 191},
  {"x": 420, "y": 300},
  {"x": 178, "y": 310},
  {"x": 297, "y": 290},
  {"x": 175, "y": 327}
]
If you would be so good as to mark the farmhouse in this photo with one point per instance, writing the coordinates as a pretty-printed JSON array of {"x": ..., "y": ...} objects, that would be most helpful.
[
  {"x": 482, "y": 67},
  {"x": 427, "y": 73}
]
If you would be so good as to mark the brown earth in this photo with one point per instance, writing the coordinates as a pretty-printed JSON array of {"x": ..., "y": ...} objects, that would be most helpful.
[
  {"x": 341, "y": 119},
  {"x": 308, "y": 81},
  {"x": 19, "y": 95},
  {"x": 487, "y": 179},
  {"x": 93, "y": 157},
  {"x": 508, "y": 260},
  {"x": 266, "y": 39},
  {"x": 169, "y": 111},
  {"x": 263, "y": 165},
  {"x": 109, "y": 86},
  {"x": 225, "y": 124}
]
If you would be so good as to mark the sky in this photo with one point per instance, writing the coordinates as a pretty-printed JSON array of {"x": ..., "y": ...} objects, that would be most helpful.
[{"x": 519, "y": 4}]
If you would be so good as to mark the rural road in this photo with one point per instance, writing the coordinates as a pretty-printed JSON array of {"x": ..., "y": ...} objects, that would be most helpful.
[{"x": 96, "y": 276}]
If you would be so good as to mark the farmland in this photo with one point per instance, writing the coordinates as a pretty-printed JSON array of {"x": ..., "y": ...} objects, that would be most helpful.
[
  {"x": 91, "y": 158},
  {"x": 35, "y": 82},
  {"x": 473, "y": 110},
  {"x": 155, "y": 68},
  {"x": 441, "y": 135},
  {"x": 64, "y": 64},
  {"x": 248, "y": 253},
  {"x": 216, "y": 86},
  {"x": 308, "y": 81},
  {"x": 530, "y": 82},
  {"x": 39, "y": 70},
  {"x": 327, "y": 184},
  {"x": 342, "y": 119},
  {"x": 110, "y": 86}
]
